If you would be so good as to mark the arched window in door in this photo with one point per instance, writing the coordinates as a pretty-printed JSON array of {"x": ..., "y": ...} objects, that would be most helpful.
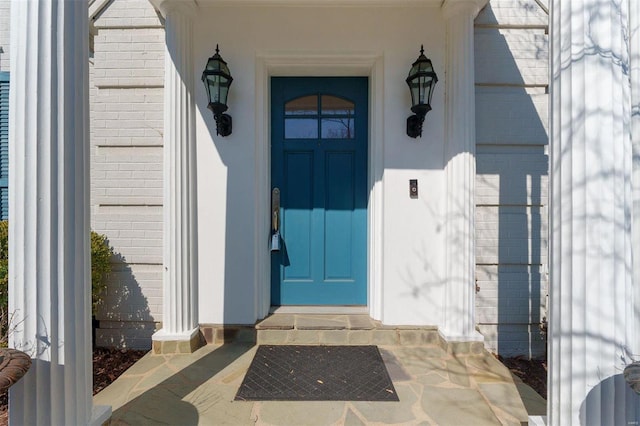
[{"x": 319, "y": 117}]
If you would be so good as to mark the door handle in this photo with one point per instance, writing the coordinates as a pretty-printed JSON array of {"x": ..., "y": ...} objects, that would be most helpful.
[{"x": 275, "y": 219}]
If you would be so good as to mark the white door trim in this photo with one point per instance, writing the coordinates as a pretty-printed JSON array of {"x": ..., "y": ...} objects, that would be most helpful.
[{"x": 335, "y": 64}]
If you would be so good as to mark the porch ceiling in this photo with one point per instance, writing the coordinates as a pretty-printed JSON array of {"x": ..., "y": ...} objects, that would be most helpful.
[
  {"x": 434, "y": 3},
  {"x": 163, "y": 5},
  {"x": 159, "y": 4}
]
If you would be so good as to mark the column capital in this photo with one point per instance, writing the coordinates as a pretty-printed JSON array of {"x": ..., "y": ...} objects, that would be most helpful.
[
  {"x": 453, "y": 8},
  {"x": 188, "y": 7}
]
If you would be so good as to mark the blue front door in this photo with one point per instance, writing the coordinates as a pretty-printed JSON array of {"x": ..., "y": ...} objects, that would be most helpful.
[{"x": 319, "y": 164}]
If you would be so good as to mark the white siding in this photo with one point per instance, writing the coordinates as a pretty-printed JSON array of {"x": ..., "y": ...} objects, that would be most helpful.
[
  {"x": 508, "y": 115},
  {"x": 512, "y": 175},
  {"x": 527, "y": 59},
  {"x": 126, "y": 168},
  {"x": 5, "y": 15}
]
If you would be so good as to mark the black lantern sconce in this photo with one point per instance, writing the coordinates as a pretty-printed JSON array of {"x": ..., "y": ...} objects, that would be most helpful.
[
  {"x": 217, "y": 79},
  {"x": 421, "y": 80}
]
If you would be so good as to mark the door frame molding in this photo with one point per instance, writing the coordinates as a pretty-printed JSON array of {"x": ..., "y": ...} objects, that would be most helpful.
[{"x": 326, "y": 64}]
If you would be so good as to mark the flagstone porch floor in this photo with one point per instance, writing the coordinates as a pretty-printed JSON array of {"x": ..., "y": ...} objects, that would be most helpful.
[{"x": 436, "y": 385}]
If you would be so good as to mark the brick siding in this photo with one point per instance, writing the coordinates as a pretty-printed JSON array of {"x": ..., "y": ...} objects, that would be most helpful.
[
  {"x": 5, "y": 15},
  {"x": 127, "y": 107}
]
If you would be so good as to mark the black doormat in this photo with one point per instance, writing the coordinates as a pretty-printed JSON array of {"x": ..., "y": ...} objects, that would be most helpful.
[{"x": 317, "y": 373}]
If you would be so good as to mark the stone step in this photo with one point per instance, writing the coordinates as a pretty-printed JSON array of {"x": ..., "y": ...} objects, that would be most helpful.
[
  {"x": 333, "y": 329},
  {"x": 389, "y": 337},
  {"x": 318, "y": 322}
]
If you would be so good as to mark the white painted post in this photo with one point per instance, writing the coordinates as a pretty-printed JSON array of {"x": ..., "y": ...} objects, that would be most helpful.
[
  {"x": 49, "y": 281},
  {"x": 460, "y": 167},
  {"x": 592, "y": 292},
  {"x": 634, "y": 41},
  {"x": 180, "y": 309}
]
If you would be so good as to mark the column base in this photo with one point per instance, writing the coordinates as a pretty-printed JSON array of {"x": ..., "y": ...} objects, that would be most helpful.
[
  {"x": 475, "y": 336},
  {"x": 177, "y": 343},
  {"x": 538, "y": 420},
  {"x": 472, "y": 344},
  {"x": 100, "y": 415}
]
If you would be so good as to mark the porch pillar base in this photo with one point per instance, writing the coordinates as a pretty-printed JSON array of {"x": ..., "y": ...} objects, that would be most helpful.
[
  {"x": 177, "y": 343},
  {"x": 472, "y": 344},
  {"x": 472, "y": 337},
  {"x": 100, "y": 415}
]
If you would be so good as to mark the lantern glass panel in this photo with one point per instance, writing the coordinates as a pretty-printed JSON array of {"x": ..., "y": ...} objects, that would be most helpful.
[
  {"x": 416, "y": 89},
  {"x": 425, "y": 66},
  {"x": 218, "y": 88},
  {"x": 213, "y": 87},
  {"x": 414, "y": 86},
  {"x": 217, "y": 64},
  {"x": 425, "y": 92},
  {"x": 429, "y": 89},
  {"x": 218, "y": 80},
  {"x": 224, "y": 91},
  {"x": 421, "y": 80},
  {"x": 206, "y": 86}
]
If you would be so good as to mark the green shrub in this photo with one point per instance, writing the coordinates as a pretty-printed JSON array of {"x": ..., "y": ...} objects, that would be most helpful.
[
  {"x": 100, "y": 268},
  {"x": 4, "y": 282},
  {"x": 101, "y": 254}
]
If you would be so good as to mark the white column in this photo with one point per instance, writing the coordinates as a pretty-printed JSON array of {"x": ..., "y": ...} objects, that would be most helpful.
[
  {"x": 592, "y": 293},
  {"x": 634, "y": 29},
  {"x": 49, "y": 282},
  {"x": 460, "y": 167},
  {"x": 180, "y": 311}
]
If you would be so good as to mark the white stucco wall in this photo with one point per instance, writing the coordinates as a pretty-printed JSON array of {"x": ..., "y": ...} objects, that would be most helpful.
[
  {"x": 412, "y": 261},
  {"x": 511, "y": 47}
]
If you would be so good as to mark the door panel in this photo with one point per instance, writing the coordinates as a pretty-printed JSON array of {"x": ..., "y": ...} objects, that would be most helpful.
[
  {"x": 339, "y": 207},
  {"x": 319, "y": 162},
  {"x": 297, "y": 219}
]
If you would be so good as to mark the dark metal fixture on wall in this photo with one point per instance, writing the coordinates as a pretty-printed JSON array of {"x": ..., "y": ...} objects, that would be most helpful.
[
  {"x": 217, "y": 79},
  {"x": 421, "y": 80}
]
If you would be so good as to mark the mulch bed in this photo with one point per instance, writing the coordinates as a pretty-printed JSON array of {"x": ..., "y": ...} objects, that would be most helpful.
[
  {"x": 108, "y": 365},
  {"x": 531, "y": 371}
]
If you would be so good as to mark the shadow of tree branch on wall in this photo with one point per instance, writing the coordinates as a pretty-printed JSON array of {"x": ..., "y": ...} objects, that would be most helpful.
[
  {"x": 512, "y": 177},
  {"x": 593, "y": 316}
]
